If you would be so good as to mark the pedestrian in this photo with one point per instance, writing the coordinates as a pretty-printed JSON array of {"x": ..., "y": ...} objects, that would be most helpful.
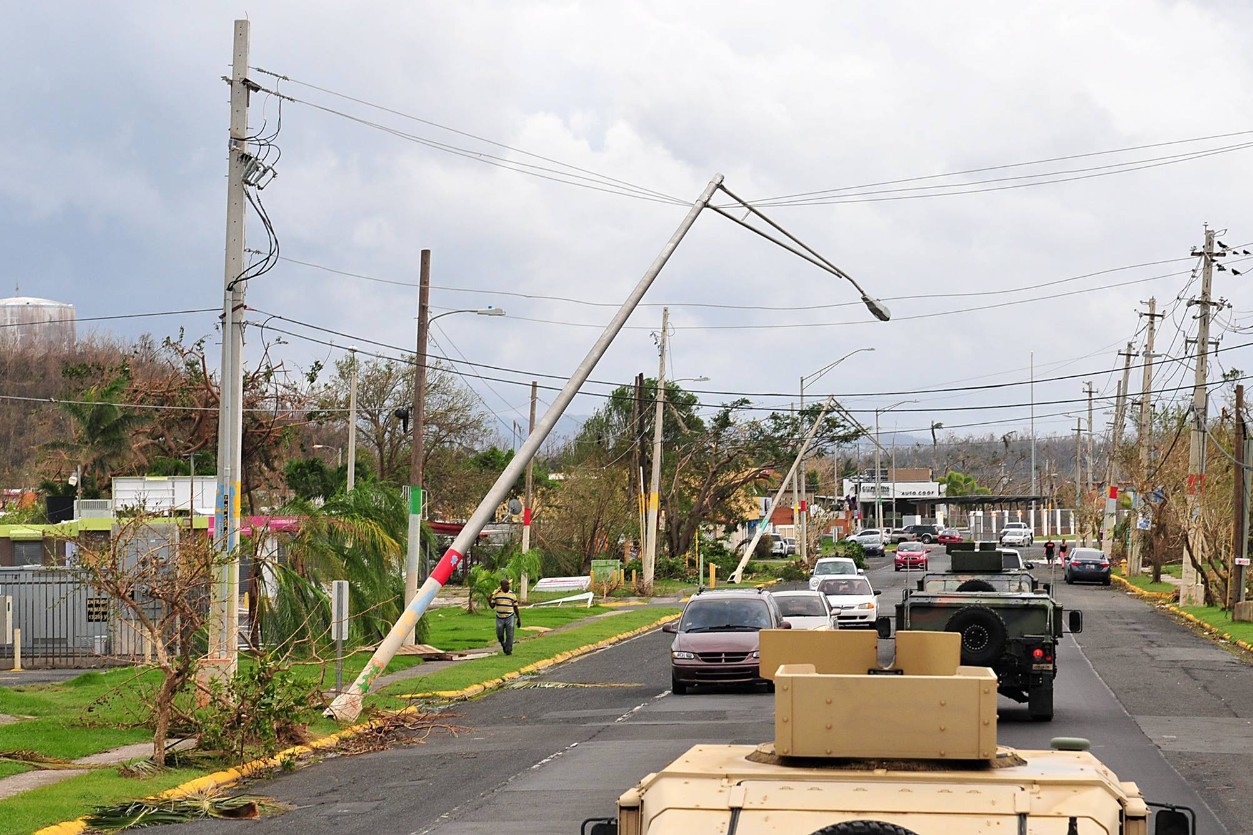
[
  {"x": 1065, "y": 547},
  {"x": 1049, "y": 547},
  {"x": 505, "y": 603}
]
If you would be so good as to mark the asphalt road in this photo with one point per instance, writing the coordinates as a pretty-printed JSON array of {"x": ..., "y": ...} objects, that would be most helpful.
[{"x": 1162, "y": 706}]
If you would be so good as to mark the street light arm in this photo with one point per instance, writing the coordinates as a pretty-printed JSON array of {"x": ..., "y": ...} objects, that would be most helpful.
[
  {"x": 876, "y": 307},
  {"x": 483, "y": 311},
  {"x": 817, "y": 375}
]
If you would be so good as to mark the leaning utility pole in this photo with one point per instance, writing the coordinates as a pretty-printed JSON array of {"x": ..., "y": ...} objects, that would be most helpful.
[
  {"x": 1191, "y": 591},
  {"x": 654, "y": 490},
  {"x": 224, "y": 609},
  {"x": 1110, "y": 519},
  {"x": 1138, "y": 535}
]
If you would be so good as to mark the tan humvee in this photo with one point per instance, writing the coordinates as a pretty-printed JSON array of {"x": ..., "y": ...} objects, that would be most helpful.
[{"x": 920, "y": 757}]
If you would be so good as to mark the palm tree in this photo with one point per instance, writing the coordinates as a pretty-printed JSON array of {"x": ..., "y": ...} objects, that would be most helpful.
[
  {"x": 101, "y": 433},
  {"x": 358, "y": 536}
]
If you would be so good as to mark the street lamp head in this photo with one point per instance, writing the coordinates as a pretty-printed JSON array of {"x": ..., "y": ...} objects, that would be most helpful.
[
  {"x": 491, "y": 311},
  {"x": 878, "y": 308}
]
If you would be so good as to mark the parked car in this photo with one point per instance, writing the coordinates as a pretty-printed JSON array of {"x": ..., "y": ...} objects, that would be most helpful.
[
  {"x": 870, "y": 540},
  {"x": 853, "y": 600},
  {"x": 830, "y": 567},
  {"x": 778, "y": 546},
  {"x": 716, "y": 640},
  {"x": 910, "y": 555},
  {"x": 1088, "y": 564},
  {"x": 790, "y": 544},
  {"x": 805, "y": 609},
  {"x": 952, "y": 536},
  {"x": 1016, "y": 533},
  {"x": 917, "y": 533}
]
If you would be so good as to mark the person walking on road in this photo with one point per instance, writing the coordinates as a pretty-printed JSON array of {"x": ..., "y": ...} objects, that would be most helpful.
[
  {"x": 1048, "y": 551},
  {"x": 505, "y": 603}
]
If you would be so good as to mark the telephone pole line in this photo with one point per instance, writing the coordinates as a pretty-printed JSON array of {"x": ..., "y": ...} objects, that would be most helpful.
[
  {"x": 654, "y": 499},
  {"x": 224, "y": 611},
  {"x": 1191, "y": 591},
  {"x": 414, "y": 564},
  {"x": 1138, "y": 535}
]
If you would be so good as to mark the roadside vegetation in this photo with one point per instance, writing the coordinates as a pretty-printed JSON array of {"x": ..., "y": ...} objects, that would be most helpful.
[{"x": 95, "y": 712}]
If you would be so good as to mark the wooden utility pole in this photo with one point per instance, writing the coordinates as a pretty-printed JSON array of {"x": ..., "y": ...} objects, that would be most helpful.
[
  {"x": 1078, "y": 473},
  {"x": 1240, "y": 521},
  {"x": 636, "y": 481},
  {"x": 417, "y": 416},
  {"x": 1191, "y": 591},
  {"x": 654, "y": 498},
  {"x": 1088, "y": 387},
  {"x": 1138, "y": 535},
  {"x": 1110, "y": 519}
]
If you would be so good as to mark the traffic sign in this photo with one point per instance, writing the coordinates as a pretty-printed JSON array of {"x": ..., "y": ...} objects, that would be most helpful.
[{"x": 1242, "y": 560}]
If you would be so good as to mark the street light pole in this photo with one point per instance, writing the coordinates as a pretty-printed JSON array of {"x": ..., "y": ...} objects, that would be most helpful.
[
  {"x": 878, "y": 500},
  {"x": 804, "y": 526}
]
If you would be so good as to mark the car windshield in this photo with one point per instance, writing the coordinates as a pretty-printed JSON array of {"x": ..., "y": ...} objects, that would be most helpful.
[
  {"x": 850, "y": 585},
  {"x": 801, "y": 605},
  {"x": 725, "y": 615},
  {"x": 824, "y": 568},
  {"x": 909, "y": 547}
]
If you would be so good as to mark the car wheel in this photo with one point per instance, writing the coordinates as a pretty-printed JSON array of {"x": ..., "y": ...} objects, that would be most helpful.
[
  {"x": 897, "y": 568},
  {"x": 1107, "y": 581},
  {"x": 926, "y": 539},
  {"x": 677, "y": 687}
]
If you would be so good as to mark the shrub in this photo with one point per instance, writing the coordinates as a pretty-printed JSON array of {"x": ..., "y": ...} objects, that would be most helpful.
[{"x": 794, "y": 571}]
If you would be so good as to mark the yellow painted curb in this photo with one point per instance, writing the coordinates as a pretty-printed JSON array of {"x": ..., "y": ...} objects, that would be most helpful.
[
  {"x": 482, "y": 687},
  {"x": 1139, "y": 592},
  {"x": 230, "y": 776}
]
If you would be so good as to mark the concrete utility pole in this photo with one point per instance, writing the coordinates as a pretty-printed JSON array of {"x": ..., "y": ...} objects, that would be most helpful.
[
  {"x": 1191, "y": 591},
  {"x": 654, "y": 490},
  {"x": 1135, "y": 558},
  {"x": 530, "y": 475},
  {"x": 224, "y": 610},
  {"x": 1112, "y": 480}
]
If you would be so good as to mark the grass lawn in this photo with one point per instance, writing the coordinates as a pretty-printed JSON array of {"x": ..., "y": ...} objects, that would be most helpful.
[
  {"x": 97, "y": 711},
  {"x": 1145, "y": 582},
  {"x": 1221, "y": 620}
]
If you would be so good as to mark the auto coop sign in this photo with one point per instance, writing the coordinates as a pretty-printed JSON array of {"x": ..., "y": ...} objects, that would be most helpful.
[{"x": 886, "y": 490}]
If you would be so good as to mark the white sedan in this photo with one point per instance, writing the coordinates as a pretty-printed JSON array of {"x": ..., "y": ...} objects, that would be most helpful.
[
  {"x": 805, "y": 609},
  {"x": 852, "y": 599}
]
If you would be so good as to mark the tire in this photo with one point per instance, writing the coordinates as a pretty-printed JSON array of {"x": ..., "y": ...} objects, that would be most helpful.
[
  {"x": 677, "y": 687},
  {"x": 769, "y": 686},
  {"x": 975, "y": 585},
  {"x": 1040, "y": 703},
  {"x": 863, "y": 828},
  {"x": 926, "y": 539},
  {"x": 897, "y": 568},
  {"x": 983, "y": 634}
]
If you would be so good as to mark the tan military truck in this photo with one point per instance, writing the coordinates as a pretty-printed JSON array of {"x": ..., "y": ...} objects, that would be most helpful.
[{"x": 920, "y": 758}]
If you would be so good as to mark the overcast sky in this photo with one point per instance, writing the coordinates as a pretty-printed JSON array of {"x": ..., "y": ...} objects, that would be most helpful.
[{"x": 1096, "y": 140}]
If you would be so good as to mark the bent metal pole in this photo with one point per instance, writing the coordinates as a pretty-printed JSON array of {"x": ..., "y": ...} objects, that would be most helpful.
[
  {"x": 347, "y": 705},
  {"x": 738, "y": 573}
]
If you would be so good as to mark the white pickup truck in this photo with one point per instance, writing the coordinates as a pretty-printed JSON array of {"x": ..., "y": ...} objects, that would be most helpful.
[{"x": 1016, "y": 533}]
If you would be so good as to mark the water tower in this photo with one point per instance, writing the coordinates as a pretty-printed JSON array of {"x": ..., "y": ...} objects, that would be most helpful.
[{"x": 27, "y": 323}]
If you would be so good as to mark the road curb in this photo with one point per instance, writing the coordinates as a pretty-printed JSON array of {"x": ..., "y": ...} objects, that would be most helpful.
[{"x": 230, "y": 776}]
